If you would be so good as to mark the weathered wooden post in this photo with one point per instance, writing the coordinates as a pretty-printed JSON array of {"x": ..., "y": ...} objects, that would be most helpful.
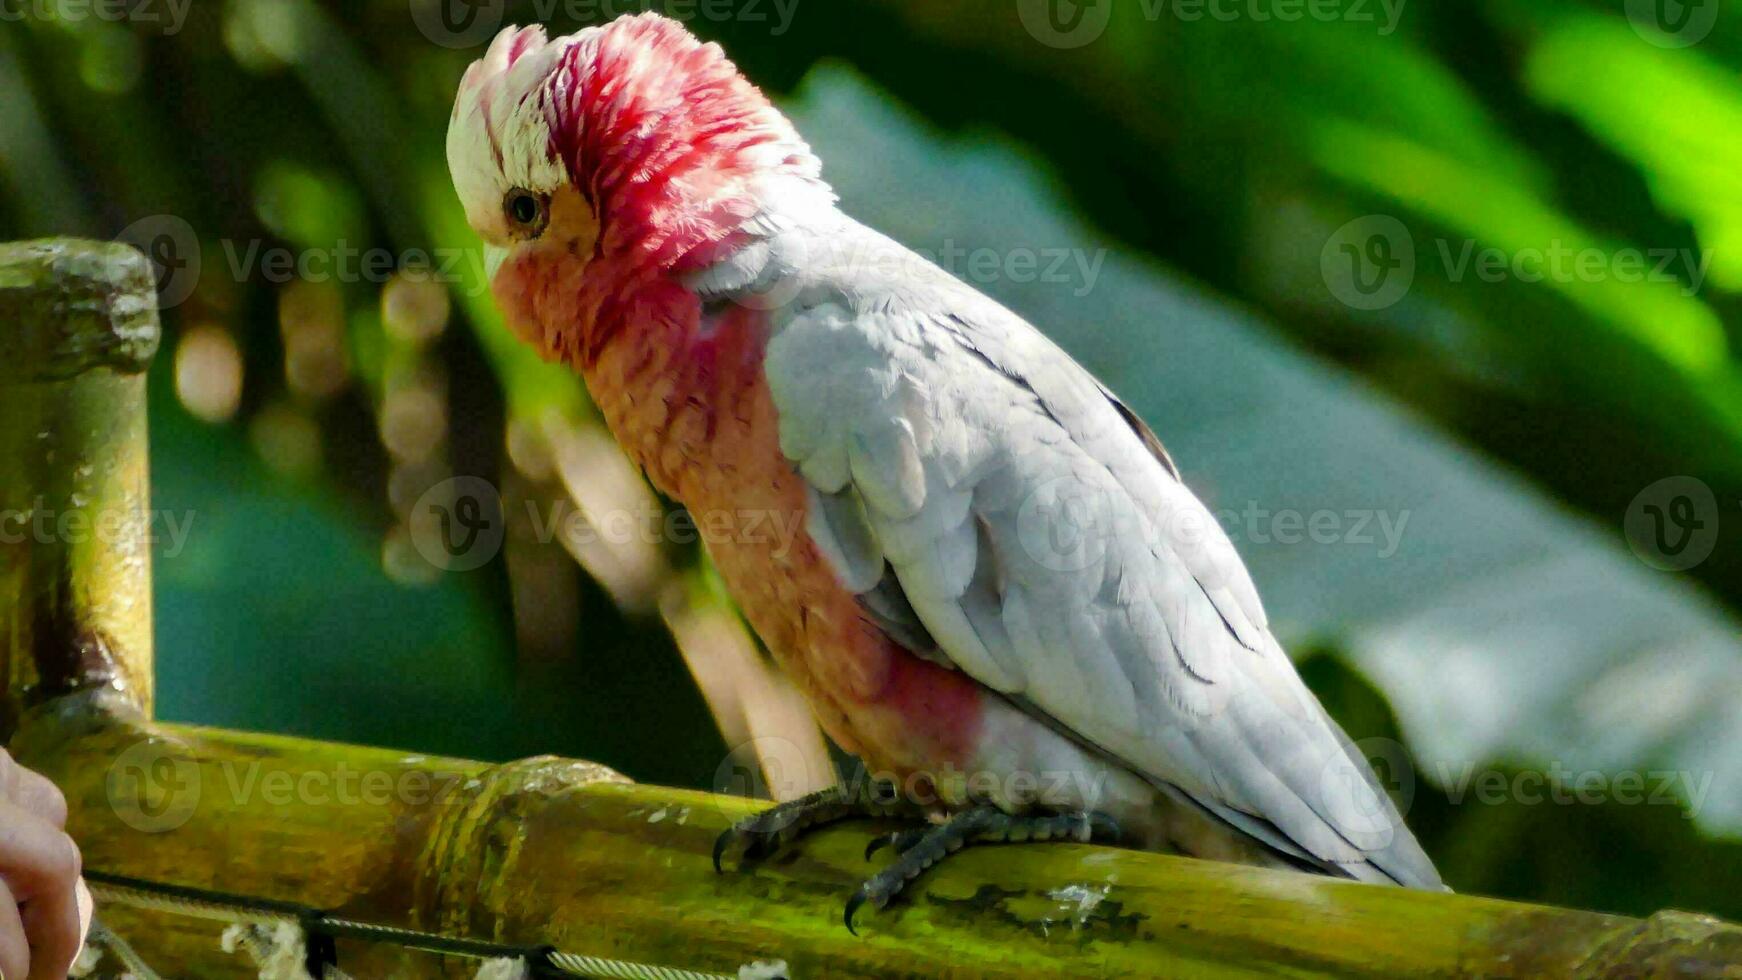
[{"x": 78, "y": 325}]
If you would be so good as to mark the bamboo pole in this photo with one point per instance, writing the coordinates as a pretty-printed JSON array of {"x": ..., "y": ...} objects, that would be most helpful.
[
  {"x": 569, "y": 854},
  {"x": 78, "y": 325}
]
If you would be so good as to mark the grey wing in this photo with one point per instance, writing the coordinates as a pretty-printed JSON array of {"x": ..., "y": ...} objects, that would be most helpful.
[{"x": 998, "y": 510}]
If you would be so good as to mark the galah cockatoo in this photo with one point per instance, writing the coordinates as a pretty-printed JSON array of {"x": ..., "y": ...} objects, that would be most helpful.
[{"x": 1002, "y": 595}]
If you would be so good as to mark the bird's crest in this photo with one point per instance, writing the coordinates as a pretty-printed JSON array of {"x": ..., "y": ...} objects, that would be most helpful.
[
  {"x": 633, "y": 110},
  {"x": 500, "y": 133}
]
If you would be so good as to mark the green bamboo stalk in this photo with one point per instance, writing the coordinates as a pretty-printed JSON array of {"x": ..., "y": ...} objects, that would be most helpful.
[{"x": 566, "y": 853}]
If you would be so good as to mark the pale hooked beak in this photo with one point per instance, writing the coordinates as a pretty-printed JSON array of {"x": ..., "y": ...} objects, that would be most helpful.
[{"x": 494, "y": 256}]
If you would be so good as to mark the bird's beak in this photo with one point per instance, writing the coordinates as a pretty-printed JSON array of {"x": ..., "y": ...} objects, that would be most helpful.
[{"x": 494, "y": 256}]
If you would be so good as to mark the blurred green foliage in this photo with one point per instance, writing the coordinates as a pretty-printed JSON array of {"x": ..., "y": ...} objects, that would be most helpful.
[{"x": 1228, "y": 150}]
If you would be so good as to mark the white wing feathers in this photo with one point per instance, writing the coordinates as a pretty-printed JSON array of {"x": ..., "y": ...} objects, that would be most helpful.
[{"x": 1052, "y": 555}]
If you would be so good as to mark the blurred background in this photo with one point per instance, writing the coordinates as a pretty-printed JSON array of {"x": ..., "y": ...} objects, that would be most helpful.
[{"x": 1433, "y": 303}]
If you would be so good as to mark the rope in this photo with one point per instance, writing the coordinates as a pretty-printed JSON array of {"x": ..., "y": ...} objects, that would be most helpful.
[
  {"x": 246, "y": 915},
  {"x": 576, "y": 965},
  {"x": 119, "y": 948}
]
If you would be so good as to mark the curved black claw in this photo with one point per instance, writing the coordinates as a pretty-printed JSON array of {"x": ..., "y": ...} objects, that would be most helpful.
[
  {"x": 853, "y": 904},
  {"x": 720, "y": 844},
  {"x": 877, "y": 890},
  {"x": 758, "y": 841}
]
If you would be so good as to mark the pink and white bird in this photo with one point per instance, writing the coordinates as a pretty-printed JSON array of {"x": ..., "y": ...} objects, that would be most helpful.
[{"x": 1001, "y": 578}]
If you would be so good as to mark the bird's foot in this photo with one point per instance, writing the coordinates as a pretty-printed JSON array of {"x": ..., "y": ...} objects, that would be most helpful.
[
  {"x": 919, "y": 849},
  {"x": 757, "y": 836}
]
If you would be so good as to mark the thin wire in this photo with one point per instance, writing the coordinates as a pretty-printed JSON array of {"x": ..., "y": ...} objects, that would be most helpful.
[{"x": 236, "y": 909}]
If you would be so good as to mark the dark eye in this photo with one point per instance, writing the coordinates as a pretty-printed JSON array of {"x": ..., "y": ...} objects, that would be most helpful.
[{"x": 527, "y": 212}]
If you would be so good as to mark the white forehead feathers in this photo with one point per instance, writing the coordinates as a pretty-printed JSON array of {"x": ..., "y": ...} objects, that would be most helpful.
[{"x": 498, "y": 137}]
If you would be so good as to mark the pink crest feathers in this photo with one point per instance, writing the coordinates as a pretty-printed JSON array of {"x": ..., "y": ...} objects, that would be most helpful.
[
  {"x": 676, "y": 154},
  {"x": 648, "y": 118},
  {"x": 639, "y": 112}
]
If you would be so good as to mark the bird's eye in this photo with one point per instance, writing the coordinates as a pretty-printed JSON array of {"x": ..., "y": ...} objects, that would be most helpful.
[{"x": 527, "y": 212}]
